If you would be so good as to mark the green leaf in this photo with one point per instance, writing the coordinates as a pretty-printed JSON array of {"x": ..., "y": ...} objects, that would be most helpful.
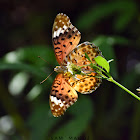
[
  {"x": 30, "y": 54},
  {"x": 106, "y": 43},
  {"x": 87, "y": 57},
  {"x": 23, "y": 67},
  {"x": 102, "y": 62}
]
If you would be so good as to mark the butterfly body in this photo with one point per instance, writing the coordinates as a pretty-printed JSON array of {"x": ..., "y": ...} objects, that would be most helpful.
[
  {"x": 61, "y": 69},
  {"x": 73, "y": 75}
]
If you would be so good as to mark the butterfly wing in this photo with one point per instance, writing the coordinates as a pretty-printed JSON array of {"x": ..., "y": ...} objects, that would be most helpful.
[
  {"x": 62, "y": 96},
  {"x": 77, "y": 56},
  {"x": 65, "y": 37},
  {"x": 84, "y": 83}
]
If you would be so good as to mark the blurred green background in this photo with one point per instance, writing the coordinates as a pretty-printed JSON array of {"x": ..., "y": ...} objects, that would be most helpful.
[{"x": 26, "y": 33}]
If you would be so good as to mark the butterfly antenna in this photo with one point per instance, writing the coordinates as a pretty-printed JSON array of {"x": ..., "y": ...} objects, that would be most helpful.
[
  {"x": 46, "y": 78},
  {"x": 43, "y": 59}
]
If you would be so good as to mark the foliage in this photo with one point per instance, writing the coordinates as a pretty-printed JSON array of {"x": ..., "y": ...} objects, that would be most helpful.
[{"x": 113, "y": 26}]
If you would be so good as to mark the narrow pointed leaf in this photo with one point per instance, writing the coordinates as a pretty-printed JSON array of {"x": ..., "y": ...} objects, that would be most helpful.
[{"x": 87, "y": 57}]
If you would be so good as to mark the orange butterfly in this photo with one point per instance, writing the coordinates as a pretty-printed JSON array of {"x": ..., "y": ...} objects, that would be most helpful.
[{"x": 65, "y": 40}]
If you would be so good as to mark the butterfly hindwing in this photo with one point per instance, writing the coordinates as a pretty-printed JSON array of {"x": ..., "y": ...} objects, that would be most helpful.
[
  {"x": 77, "y": 56},
  {"x": 62, "y": 96},
  {"x": 84, "y": 83},
  {"x": 65, "y": 37}
]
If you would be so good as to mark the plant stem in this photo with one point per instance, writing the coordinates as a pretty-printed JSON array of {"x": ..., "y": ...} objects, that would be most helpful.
[{"x": 124, "y": 88}]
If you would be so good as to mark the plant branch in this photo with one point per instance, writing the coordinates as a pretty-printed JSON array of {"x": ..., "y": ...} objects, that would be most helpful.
[{"x": 124, "y": 88}]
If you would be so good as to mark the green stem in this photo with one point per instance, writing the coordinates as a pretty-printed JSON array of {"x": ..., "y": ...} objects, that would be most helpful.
[
  {"x": 109, "y": 78},
  {"x": 97, "y": 67},
  {"x": 124, "y": 88}
]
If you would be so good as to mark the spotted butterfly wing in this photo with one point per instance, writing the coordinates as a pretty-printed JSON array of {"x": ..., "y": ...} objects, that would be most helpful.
[
  {"x": 84, "y": 83},
  {"x": 65, "y": 37},
  {"x": 62, "y": 96}
]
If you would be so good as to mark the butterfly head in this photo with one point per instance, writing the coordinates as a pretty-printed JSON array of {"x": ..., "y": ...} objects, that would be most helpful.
[{"x": 60, "y": 69}]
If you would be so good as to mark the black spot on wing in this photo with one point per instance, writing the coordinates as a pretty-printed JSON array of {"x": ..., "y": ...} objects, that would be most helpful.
[
  {"x": 57, "y": 48},
  {"x": 69, "y": 36},
  {"x": 58, "y": 52},
  {"x": 62, "y": 38},
  {"x": 68, "y": 90}
]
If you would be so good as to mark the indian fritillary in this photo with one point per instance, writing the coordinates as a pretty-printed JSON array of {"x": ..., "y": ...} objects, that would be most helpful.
[{"x": 65, "y": 40}]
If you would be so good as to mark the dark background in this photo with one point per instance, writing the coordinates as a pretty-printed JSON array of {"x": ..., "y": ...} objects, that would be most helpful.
[{"x": 26, "y": 32}]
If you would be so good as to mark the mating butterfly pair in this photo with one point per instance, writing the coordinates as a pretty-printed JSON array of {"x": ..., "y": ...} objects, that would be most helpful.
[{"x": 65, "y": 40}]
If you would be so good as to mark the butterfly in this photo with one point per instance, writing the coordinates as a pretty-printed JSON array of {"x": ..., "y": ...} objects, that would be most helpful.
[{"x": 69, "y": 54}]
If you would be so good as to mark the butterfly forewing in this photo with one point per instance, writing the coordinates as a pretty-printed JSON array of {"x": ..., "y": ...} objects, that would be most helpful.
[
  {"x": 65, "y": 37},
  {"x": 62, "y": 96}
]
